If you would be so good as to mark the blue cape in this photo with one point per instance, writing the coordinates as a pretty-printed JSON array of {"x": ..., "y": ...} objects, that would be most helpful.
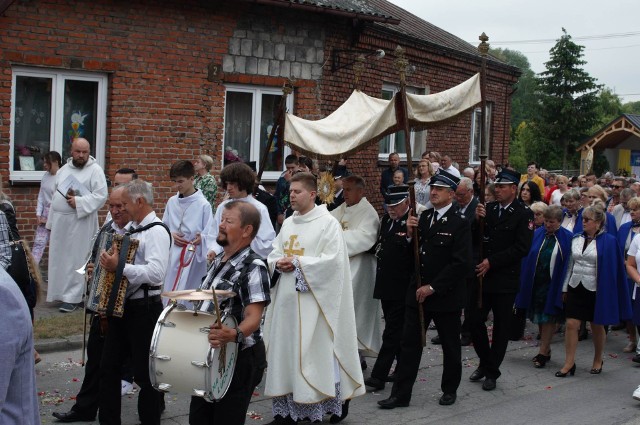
[
  {"x": 613, "y": 303},
  {"x": 623, "y": 233},
  {"x": 523, "y": 299},
  {"x": 610, "y": 224}
]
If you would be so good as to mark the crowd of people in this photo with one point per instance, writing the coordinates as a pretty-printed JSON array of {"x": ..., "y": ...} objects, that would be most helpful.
[{"x": 348, "y": 284}]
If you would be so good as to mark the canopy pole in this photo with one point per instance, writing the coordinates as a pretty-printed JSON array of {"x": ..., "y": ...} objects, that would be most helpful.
[
  {"x": 401, "y": 64},
  {"x": 483, "y": 48},
  {"x": 278, "y": 125}
]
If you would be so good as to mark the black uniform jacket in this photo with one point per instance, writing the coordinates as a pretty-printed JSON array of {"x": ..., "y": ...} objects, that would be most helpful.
[
  {"x": 395, "y": 260},
  {"x": 506, "y": 241},
  {"x": 445, "y": 258}
]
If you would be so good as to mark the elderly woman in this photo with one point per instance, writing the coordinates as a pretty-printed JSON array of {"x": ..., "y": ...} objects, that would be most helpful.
[
  {"x": 596, "y": 194},
  {"x": 571, "y": 203},
  {"x": 626, "y": 236},
  {"x": 595, "y": 287},
  {"x": 423, "y": 176},
  {"x": 543, "y": 270},
  {"x": 538, "y": 209},
  {"x": 529, "y": 193}
]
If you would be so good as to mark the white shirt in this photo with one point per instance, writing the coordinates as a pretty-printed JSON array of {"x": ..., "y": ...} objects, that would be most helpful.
[
  {"x": 262, "y": 244},
  {"x": 151, "y": 260},
  {"x": 47, "y": 187}
]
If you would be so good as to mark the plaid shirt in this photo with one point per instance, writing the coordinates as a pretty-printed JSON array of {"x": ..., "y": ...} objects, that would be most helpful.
[{"x": 255, "y": 289}]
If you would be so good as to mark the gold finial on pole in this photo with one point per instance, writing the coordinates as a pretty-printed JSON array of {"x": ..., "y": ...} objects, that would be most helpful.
[
  {"x": 484, "y": 46},
  {"x": 401, "y": 63}
]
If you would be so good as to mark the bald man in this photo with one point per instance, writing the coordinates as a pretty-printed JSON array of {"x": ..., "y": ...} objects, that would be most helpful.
[{"x": 81, "y": 190}]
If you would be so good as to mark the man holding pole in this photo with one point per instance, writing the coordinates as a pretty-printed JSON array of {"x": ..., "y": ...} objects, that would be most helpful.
[{"x": 445, "y": 256}]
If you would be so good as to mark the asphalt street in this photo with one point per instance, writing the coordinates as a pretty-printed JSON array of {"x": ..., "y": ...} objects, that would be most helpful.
[{"x": 524, "y": 395}]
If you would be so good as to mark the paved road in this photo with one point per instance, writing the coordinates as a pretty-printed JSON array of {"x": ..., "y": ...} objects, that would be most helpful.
[{"x": 525, "y": 395}]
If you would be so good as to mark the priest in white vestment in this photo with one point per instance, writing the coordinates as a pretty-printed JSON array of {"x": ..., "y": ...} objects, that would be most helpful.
[
  {"x": 360, "y": 222},
  {"x": 81, "y": 190},
  {"x": 238, "y": 180},
  {"x": 310, "y": 330},
  {"x": 190, "y": 219}
]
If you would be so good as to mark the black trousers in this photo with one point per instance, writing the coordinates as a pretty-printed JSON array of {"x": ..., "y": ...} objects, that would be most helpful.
[
  {"x": 393, "y": 311},
  {"x": 448, "y": 326},
  {"x": 491, "y": 355},
  {"x": 130, "y": 334},
  {"x": 88, "y": 398},
  {"x": 232, "y": 408}
]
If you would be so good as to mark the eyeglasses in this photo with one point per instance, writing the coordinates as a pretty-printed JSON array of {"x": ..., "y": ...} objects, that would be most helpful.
[{"x": 617, "y": 186}]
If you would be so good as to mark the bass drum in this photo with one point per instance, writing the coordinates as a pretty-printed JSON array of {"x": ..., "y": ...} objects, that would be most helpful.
[{"x": 181, "y": 358}]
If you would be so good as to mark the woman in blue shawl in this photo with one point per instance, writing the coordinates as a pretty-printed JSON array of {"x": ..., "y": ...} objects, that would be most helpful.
[
  {"x": 631, "y": 248},
  {"x": 595, "y": 287},
  {"x": 543, "y": 270}
]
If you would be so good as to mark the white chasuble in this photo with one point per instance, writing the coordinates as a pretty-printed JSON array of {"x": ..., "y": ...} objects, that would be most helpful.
[
  {"x": 72, "y": 230},
  {"x": 360, "y": 224},
  {"x": 189, "y": 216},
  {"x": 306, "y": 332}
]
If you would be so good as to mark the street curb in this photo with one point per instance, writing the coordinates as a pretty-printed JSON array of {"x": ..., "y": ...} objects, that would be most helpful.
[{"x": 58, "y": 344}]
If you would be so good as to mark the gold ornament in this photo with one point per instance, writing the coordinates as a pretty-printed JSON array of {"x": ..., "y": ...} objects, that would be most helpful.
[{"x": 326, "y": 188}]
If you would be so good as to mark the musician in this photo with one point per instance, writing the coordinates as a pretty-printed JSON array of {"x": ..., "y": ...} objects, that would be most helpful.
[
  {"x": 87, "y": 400},
  {"x": 131, "y": 334},
  {"x": 238, "y": 263},
  {"x": 444, "y": 237}
]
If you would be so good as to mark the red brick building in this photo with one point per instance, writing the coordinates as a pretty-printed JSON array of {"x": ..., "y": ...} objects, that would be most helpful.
[{"x": 150, "y": 82}]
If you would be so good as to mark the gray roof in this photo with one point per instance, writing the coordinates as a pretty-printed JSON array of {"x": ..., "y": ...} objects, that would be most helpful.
[
  {"x": 635, "y": 119},
  {"x": 362, "y": 9}
]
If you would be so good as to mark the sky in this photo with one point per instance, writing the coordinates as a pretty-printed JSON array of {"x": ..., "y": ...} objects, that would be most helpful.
[{"x": 612, "y": 59}]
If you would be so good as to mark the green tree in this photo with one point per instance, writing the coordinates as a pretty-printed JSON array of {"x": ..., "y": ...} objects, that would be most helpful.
[
  {"x": 568, "y": 98},
  {"x": 631, "y": 108},
  {"x": 609, "y": 107},
  {"x": 524, "y": 100}
]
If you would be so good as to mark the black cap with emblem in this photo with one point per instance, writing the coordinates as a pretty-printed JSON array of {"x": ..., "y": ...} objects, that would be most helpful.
[
  {"x": 444, "y": 179},
  {"x": 396, "y": 194},
  {"x": 507, "y": 176}
]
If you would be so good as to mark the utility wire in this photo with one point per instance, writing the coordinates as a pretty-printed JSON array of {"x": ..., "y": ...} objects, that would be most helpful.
[{"x": 578, "y": 38}]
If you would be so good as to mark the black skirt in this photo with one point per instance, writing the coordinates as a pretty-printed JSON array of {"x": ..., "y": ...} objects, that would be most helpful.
[{"x": 581, "y": 303}]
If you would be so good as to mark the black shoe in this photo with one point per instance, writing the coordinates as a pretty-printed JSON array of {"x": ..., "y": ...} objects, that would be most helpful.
[
  {"x": 636, "y": 358},
  {"x": 489, "y": 384},
  {"x": 561, "y": 374},
  {"x": 477, "y": 375},
  {"x": 392, "y": 403},
  {"x": 447, "y": 399},
  {"x": 465, "y": 341},
  {"x": 73, "y": 416},
  {"x": 334, "y": 419},
  {"x": 595, "y": 371},
  {"x": 392, "y": 377},
  {"x": 374, "y": 383},
  {"x": 436, "y": 340},
  {"x": 279, "y": 420}
]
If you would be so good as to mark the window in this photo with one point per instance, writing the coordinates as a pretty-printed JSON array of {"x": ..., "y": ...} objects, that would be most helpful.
[
  {"x": 474, "y": 148},
  {"x": 49, "y": 109},
  {"x": 395, "y": 142},
  {"x": 250, "y": 113}
]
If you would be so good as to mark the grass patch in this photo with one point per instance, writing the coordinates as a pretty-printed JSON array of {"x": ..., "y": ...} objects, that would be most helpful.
[{"x": 59, "y": 326}]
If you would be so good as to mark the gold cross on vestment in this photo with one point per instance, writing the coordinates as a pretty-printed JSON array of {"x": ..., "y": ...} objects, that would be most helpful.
[{"x": 289, "y": 247}]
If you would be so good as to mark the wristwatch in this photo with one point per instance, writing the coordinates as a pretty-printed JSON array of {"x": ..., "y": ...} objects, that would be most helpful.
[{"x": 239, "y": 336}]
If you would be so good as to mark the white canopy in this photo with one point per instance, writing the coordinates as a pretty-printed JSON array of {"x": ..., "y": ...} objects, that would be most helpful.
[{"x": 363, "y": 119}]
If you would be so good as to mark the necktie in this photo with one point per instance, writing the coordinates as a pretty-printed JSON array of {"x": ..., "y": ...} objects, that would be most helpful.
[
  {"x": 435, "y": 218},
  {"x": 500, "y": 212}
]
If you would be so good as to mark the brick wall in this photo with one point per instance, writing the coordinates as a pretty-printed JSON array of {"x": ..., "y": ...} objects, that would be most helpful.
[{"x": 168, "y": 62}]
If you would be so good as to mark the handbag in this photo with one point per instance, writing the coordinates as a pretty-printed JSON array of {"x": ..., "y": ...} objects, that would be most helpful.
[{"x": 20, "y": 272}]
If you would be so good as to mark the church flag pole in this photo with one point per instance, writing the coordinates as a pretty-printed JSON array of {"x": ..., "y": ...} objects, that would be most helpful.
[
  {"x": 401, "y": 64},
  {"x": 278, "y": 125},
  {"x": 483, "y": 48}
]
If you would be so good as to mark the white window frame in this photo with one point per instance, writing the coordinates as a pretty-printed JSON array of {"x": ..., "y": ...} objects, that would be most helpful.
[
  {"x": 257, "y": 91},
  {"x": 56, "y": 141},
  {"x": 475, "y": 121},
  {"x": 415, "y": 135}
]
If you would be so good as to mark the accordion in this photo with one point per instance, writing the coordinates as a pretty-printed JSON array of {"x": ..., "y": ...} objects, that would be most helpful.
[{"x": 108, "y": 289}]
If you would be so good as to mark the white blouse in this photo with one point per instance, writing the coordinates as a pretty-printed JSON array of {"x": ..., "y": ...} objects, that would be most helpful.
[{"x": 582, "y": 266}]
